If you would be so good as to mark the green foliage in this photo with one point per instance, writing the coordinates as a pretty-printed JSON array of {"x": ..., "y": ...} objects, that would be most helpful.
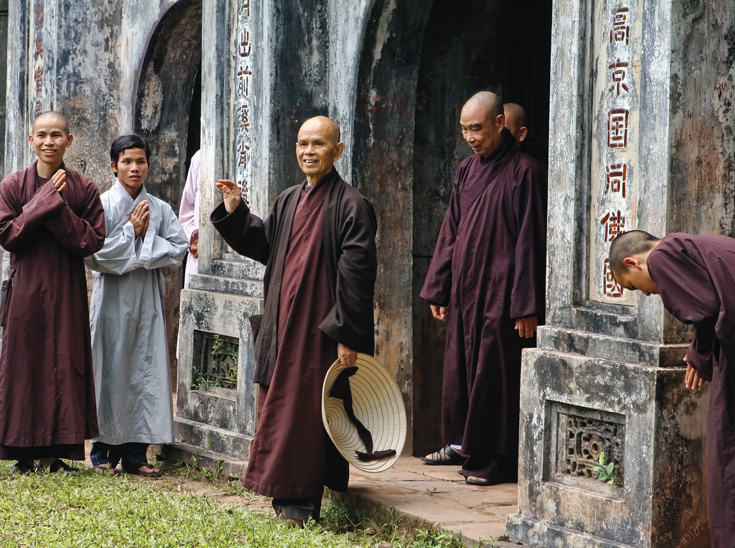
[
  {"x": 46, "y": 510},
  {"x": 605, "y": 472}
]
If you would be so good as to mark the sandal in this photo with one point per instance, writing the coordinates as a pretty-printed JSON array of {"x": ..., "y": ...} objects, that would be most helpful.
[
  {"x": 59, "y": 465},
  {"x": 145, "y": 470},
  {"x": 105, "y": 468},
  {"x": 446, "y": 455}
]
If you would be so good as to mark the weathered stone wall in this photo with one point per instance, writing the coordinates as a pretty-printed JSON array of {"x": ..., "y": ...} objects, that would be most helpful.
[{"x": 3, "y": 78}]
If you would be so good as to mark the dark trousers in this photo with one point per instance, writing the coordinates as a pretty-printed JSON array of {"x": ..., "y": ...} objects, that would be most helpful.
[{"x": 133, "y": 455}]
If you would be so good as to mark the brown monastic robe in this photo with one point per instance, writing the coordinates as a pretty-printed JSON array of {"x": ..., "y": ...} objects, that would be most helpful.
[
  {"x": 489, "y": 269},
  {"x": 695, "y": 276},
  {"x": 319, "y": 251},
  {"x": 47, "y": 403}
]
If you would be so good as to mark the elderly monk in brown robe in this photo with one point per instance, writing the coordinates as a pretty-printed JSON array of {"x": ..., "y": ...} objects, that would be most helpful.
[
  {"x": 486, "y": 280},
  {"x": 318, "y": 245},
  {"x": 695, "y": 277},
  {"x": 50, "y": 218}
]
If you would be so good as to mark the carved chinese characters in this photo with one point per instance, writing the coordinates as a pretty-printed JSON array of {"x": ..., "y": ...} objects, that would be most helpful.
[
  {"x": 614, "y": 143},
  {"x": 243, "y": 92}
]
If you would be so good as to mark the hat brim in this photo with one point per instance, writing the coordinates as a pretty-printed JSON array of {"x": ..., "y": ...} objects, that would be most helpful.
[{"x": 377, "y": 404}]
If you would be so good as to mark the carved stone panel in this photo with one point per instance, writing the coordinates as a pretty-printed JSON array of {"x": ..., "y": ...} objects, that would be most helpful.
[{"x": 215, "y": 361}]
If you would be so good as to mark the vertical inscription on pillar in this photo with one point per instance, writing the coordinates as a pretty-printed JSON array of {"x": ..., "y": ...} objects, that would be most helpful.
[
  {"x": 36, "y": 59},
  {"x": 616, "y": 43},
  {"x": 243, "y": 93}
]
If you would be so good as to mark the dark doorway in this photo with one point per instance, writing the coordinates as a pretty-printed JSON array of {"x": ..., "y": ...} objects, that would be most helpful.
[
  {"x": 420, "y": 61},
  {"x": 168, "y": 107},
  {"x": 500, "y": 46}
]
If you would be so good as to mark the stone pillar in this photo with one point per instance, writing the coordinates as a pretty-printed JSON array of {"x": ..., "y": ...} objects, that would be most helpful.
[
  {"x": 640, "y": 138},
  {"x": 215, "y": 393}
]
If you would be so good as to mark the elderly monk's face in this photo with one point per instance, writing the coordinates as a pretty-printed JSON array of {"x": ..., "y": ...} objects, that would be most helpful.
[
  {"x": 482, "y": 132},
  {"x": 317, "y": 149},
  {"x": 50, "y": 140}
]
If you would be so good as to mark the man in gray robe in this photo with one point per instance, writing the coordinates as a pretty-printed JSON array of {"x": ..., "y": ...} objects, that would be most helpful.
[{"x": 129, "y": 348}]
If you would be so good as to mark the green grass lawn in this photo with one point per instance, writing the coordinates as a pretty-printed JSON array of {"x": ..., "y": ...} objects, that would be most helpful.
[{"x": 90, "y": 510}]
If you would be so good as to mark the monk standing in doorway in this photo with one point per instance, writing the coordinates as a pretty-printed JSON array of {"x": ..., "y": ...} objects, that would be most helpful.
[
  {"x": 50, "y": 218},
  {"x": 695, "y": 277},
  {"x": 486, "y": 280},
  {"x": 318, "y": 245}
]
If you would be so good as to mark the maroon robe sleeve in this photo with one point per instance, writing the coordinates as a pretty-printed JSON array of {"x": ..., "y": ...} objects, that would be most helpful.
[
  {"x": 350, "y": 321},
  {"x": 244, "y": 232},
  {"x": 529, "y": 278},
  {"x": 438, "y": 282},
  {"x": 687, "y": 292},
  {"x": 82, "y": 234},
  {"x": 20, "y": 223}
]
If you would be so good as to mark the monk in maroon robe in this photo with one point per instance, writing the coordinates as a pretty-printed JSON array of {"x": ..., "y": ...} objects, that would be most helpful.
[
  {"x": 486, "y": 279},
  {"x": 695, "y": 277},
  {"x": 318, "y": 245},
  {"x": 50, "y": 218}
]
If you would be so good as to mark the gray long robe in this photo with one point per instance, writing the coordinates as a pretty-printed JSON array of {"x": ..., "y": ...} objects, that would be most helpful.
[{"x": 129, "y": 348}]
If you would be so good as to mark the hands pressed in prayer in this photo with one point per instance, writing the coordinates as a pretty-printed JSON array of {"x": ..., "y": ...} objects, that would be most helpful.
[
  {"x": 441, "y": 313},
  {"x": 59, "y": 180},
  {"x": 140, "y": 217},
  {"x": 346, "y": 356},
  {"x": 231, "y": 194},
  {"x": 526, "y": 327},
  {"x": 692, "y": 380}
]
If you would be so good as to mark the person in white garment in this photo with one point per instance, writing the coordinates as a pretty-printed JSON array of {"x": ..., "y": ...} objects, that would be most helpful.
[
  {"x": 189, "y": 216},
  {"x": 129, "y": 347}
]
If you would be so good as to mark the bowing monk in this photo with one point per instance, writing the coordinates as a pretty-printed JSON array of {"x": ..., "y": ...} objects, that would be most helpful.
[
  {"x": 695, "y": 277},
  {"x": 318, "y": 245},
  {"x": 486, "y": 280},
  {"x": 50, "y": 218}
]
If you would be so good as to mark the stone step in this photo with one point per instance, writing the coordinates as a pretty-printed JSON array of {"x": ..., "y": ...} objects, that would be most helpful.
[
  {"x": 236, "y": 266},
  {"x": 619, "y": 349},
  {"x": 220, "y": 465},
  {"x": 229, "y": 285},
  {"x": 211, "y": 438}
]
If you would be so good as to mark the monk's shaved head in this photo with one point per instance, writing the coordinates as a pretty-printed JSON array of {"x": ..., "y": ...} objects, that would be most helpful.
[
  {"x": 331, "y": 127},
  {"x": 515, "y": 114},
  {"x": 45, "y": 116},
  {"x": 489, "y": 103},
  {"x": 628, "y": 244}
]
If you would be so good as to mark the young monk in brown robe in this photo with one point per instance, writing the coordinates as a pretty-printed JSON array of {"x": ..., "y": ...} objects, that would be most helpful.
[
  {"x": 50, "y": 218},
  {"x": 695, "y": 277},
  {"x": 318, "y": 245},
  {"x": 486, "y": 280}
]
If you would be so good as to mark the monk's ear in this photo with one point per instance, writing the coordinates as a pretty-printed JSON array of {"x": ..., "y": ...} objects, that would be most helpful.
[
  {"x": 500, "y": 120},
  {"x": 69, "y": 139},
  {"x": 340, "y": 148},
  {"x": 631, "y": 262},
  {"x": 522, "y": 134}
]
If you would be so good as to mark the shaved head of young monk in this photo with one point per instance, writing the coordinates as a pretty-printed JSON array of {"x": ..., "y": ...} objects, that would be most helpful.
[
  {"x": 482, "y": 122},
  {"x": 318, "y": 147},
  {"x": 50, "y": 138},
  {"x": 515, "y": 121},
  {"x": 628, "y": 261}
]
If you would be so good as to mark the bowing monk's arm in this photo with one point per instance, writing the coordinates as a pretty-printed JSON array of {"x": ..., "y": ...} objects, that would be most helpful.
[{"x": 441, "y": 313}]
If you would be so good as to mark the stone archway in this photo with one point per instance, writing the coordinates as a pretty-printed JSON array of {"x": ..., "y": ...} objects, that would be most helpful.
[
  {"x": 167, "y": 117},
  {"x": 418, "y": 64}
]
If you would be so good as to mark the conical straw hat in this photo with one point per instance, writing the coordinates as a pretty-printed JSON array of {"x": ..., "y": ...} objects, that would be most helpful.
[{"x": 377, "y": 404}]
